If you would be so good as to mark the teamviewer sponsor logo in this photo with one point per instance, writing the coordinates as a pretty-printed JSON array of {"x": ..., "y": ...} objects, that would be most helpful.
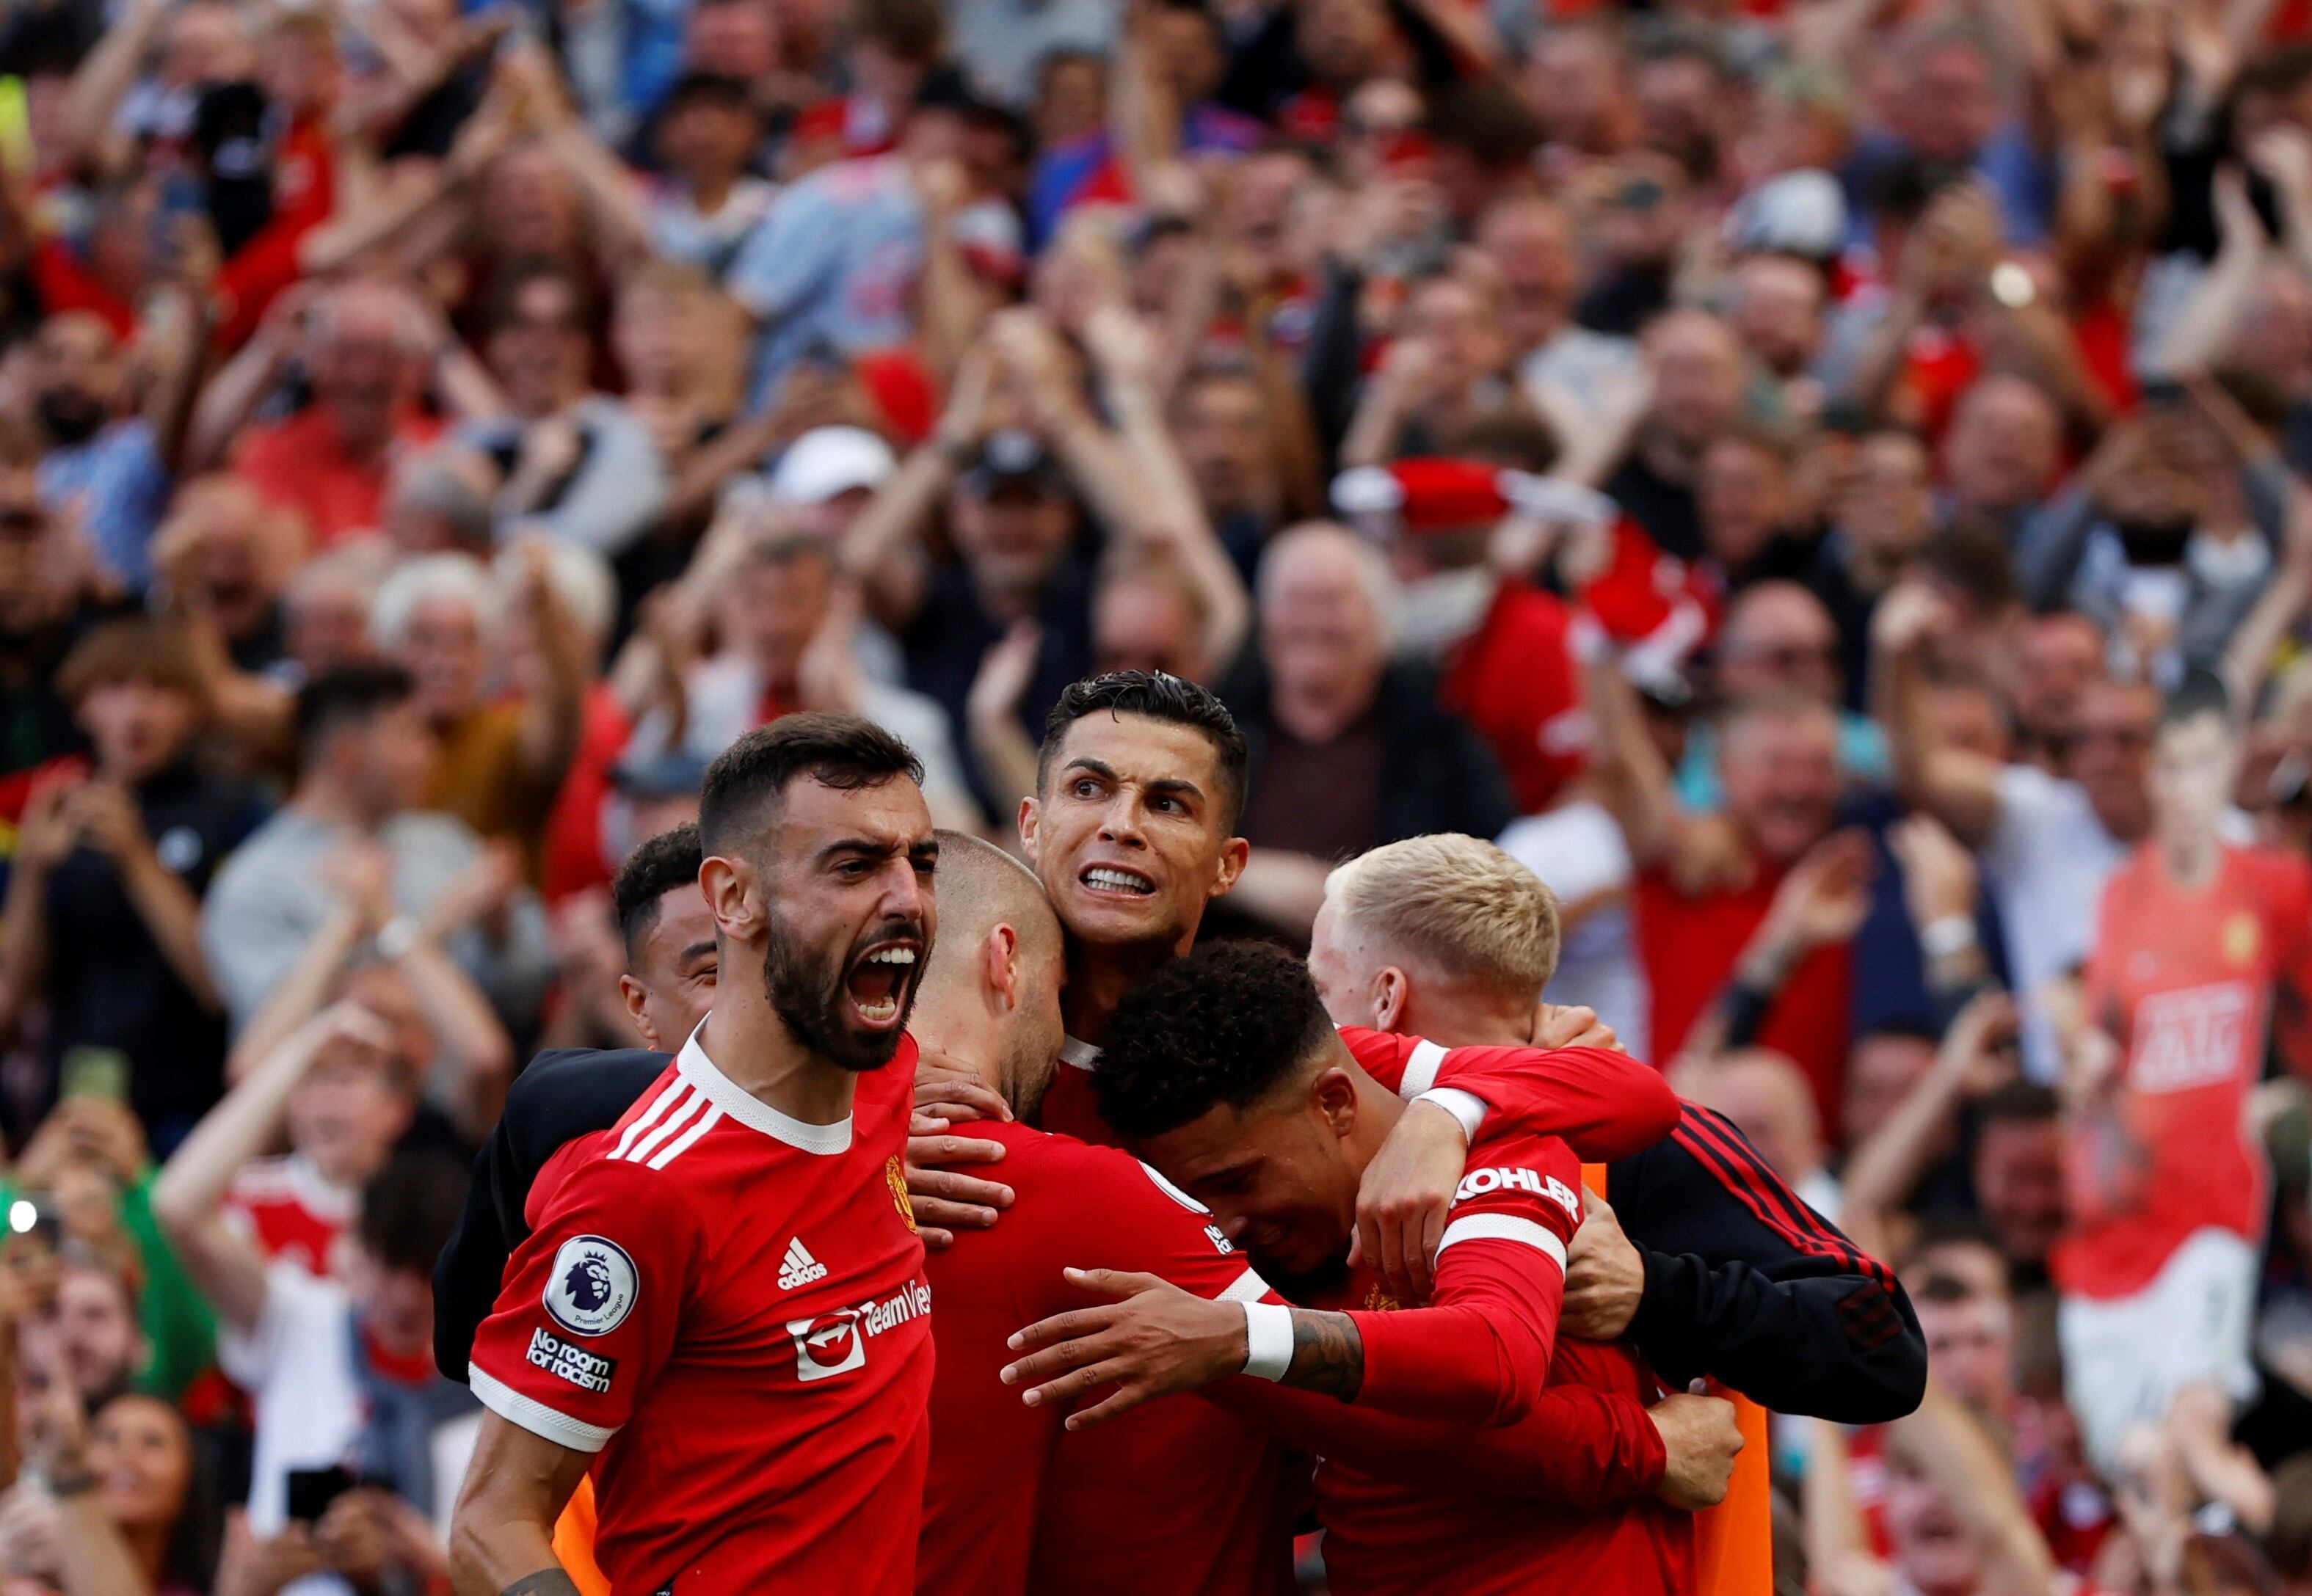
[
  {"x": 836, "y": 1343},
  {"x": 798, "y": 1267},
  {"x": 1477, "y": 1183},
  {"x": 585, "y": 1370}
]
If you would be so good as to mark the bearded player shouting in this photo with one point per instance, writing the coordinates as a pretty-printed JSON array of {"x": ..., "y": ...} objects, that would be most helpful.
[{"x": 721, "y": 1308}]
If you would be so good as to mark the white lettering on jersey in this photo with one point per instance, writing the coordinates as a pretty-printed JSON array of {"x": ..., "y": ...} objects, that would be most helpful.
[
  {"x": 2191, "y": 1038},
  {"x": 586, "y": 1371},
  {"x": 1478, "y": 1182},
  {"x": 798, "y": 1267},
  {"x": 591, "y": 1287},
  {"x": 836, "y": 1343}
]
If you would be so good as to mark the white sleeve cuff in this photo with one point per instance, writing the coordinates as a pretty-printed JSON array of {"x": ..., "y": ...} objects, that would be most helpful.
[
  {"x": 1267, "y": 1341},
  {"x": 535, "y": 1416},
  {"x": 1465, "y": 1107}
]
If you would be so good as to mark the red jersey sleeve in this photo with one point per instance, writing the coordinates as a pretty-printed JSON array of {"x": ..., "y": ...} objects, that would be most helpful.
[
  {"x": 1479, "y": 1354},
  {"x": 1577, "y": 1448},
  {"x": 588, "y": 1312},
  {"x": 1604, "y": 1105}
]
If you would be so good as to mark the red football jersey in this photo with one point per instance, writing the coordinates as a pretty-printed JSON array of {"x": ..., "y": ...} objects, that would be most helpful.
[
  {"x": 1690, "y": 945},
  {"x": 1515, "y": 682},
  {"x": 1501, "y": 1265},
  {"x": 1008, "y": 1489},
  {"x": 2185, "y": 982},
  {"x": 729, "y": 1306},
  {"x": 290, "y": 1212}
]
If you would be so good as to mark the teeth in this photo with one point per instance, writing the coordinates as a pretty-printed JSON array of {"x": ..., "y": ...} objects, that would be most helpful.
[
  {"x": 892, "y": 955},
  {"x": 1117, "y": 881},
  {"x": 881, "y": 1009}
]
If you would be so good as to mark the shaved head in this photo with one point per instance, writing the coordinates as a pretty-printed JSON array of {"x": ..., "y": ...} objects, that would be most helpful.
[
  {"x": 990, "y": 991},
  {"x": 980, "y": 888}
]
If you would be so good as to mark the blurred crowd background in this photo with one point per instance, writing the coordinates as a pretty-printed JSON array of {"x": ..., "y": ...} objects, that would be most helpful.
[{"x": 1822, "y": 482}]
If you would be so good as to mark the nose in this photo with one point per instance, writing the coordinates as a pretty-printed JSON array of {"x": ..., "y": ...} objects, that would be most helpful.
[
  {"x": 1121, "y": 822},
  {"x": 1233, "y": 1226},
  {"x": 904, "y": 895}
]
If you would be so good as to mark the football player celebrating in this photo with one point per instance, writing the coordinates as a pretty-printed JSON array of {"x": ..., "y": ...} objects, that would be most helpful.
[
  {"x": 1225, "y": 1071},
  {"x": 721, "y": 1308}
]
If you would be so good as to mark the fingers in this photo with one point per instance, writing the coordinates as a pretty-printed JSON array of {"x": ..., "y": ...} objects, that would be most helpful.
[
  {"x": 1424, "y": 1256},
  {"x": 1060, "y": 1327},
  {"x": 1390, "y": 1264},
  {"x": 952, "y": 1149},
  {"x": 1090, "y": 1346},
  {"x": 934, "y": 1215},
  {"x": 1116, "y": 1283},
  {"x": 1124, "y": 1399},
  {"x": 946, "y": 1185}
]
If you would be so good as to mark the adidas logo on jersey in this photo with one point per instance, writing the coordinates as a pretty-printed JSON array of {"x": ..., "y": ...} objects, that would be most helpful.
[{"x": 798, "y": 1267}]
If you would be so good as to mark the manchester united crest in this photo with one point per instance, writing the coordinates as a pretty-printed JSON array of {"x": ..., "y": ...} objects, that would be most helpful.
[{"x": 897, "y": 1179}]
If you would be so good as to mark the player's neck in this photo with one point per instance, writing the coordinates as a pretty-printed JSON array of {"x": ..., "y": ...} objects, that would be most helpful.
[
  {"x": 957, "y": 1044},
  {"x": 1099, "y": 975},
  {"x": 755, "y": 1052},
  {"x": 1470, "y": 1023}
]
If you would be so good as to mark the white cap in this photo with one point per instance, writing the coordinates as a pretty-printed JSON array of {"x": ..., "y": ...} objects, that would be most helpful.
[
  {"x": 1801, "y": 213},
  {"x": 826, "y": 461}
]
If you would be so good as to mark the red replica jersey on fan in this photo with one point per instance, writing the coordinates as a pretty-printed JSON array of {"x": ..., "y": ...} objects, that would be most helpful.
[
  {"x": 1515, "y": 682},
  {"x": 1005, "y": 1493},
  {"x": 729, "y": 1306},
  {"x": 2185, "y": 979},
  {"x": 1500, "y": 1276},
  {"x": 290, "y": 1212}
]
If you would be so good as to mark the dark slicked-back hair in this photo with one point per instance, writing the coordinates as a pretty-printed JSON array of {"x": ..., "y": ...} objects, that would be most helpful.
[
  {"x": 667, "y": 861},
  {"x": 745, "y": 781},
  {"x": 350, "y": 695},
  {"x": 1228, "y": 1023},
  {"x": 1160, "y": 696}
]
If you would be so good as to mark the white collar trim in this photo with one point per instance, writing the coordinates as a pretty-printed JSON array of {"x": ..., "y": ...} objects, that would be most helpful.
[
  {"x": 751, "y": 1111},
  {"x": 1083, "y": 1055}
]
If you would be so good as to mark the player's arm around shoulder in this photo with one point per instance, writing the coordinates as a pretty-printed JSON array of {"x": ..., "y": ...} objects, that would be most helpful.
[{"x": 1478, "y": 1353}]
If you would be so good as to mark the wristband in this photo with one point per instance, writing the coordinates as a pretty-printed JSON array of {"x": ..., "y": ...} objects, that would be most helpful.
[
  {"x": 78, "y": 1482},
  {"x": 1467, "y": 1108},
  {"x": 1267, "y": 1341},
  {"x": 396, "y": 937},
  {"x": 1941, "y": 938}
]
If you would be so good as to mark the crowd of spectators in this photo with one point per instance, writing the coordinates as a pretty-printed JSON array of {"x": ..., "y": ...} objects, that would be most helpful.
[{"x": 1827, "y": 484}]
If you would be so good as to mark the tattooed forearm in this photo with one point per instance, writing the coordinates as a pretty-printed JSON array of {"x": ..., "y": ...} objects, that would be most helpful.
[
  {"x": 546, "y": 1582},
  {"x": 1328, "y": 1354}
]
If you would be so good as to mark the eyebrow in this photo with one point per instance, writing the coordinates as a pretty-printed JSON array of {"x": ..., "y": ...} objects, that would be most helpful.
[
  {"x": 879, "y": 847},
  {"x": 695, "y": 950},
  {"x": 1106, "y": 771}
]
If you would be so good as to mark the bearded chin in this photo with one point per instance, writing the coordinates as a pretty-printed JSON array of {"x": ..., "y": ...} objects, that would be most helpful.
[{"x": 810, "y": 1003}]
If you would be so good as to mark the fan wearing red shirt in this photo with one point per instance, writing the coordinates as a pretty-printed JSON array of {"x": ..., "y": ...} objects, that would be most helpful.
[
  {"x": 2202, "y": 950},
  {"x": 1225, "y": 1072},
  {"x": 1707, "y": 886},
  {"x": 1500, "y": 643},
  {"x": 720, "y": 1310}
]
